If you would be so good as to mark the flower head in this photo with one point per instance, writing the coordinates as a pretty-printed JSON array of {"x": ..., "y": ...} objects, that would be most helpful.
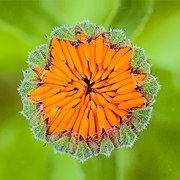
[{"x": 88, "y": 91}]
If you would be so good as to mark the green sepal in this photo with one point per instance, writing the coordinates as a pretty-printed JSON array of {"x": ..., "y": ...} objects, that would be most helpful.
[
  {"x": 118, "y": 38},
  {"x": 138, "y": 57},
  {"x": 61, "y": 144},
  {"x": 71, "y": 145},
  {"x": 99, "y": 30},
  {"x": 94, "y": 146},
  {"x": 144, "y": 68},
  {"x": 25, "y": 87},
  {"x": 38, "y": 57},
  {"x": 83, "y": 151},
  {"x": 141, "y": 117},
  {"x": 90, "y": 29},
  {"x": 64, "y": 32},
  {"x": 53, "y": 137},
  {"x": 150, "y": 88},
  {"x": 115, "y": 137},
  {"x": 139, "y": 61},
  {"x": 28, "y": 82},
  {"x": 39, "y": 130},
  {"x": 29, "y": 109},
  {"x": 106, "y": 146},
  {"x": 87, "y": 28},
  {"x": 127, "y": 136},
  {"x": 29, "y": 74}
]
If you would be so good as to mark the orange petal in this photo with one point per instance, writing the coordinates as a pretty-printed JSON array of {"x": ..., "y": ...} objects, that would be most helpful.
[
  {"x": 109, "y": 55},
  {"x": 92, "y": 126},
  {"x": 45, "y": 95},
  {"x": 39, "y": 90},
  {"x": 83, "y": 130},
  {"x": 101, "y": 99},
  {"x": 127, "y": 88},
  {"x": 81, "y": 37},
  {"x": 124, "y": 60},
  {"x": 103, "y": 122},
  {"x": 105, "y": 74},
  {"x": 137, "y": 102},
  {"x": 117, "y": 57},
  {"x": 111, "y": 117},
  {"x": 120, "y": 77},
  {"x": 80, "y": 116},
  {"x": 72, "y": 120},
  {"x": 99, "y": 49},
  {"x": 119, "y": 112},
  {"x": 75, "y": 57},
  {"x": 67, "y": 54},
  {"x": 54, "y": 125},
  {"x": 83, "y": 60},
  {"x": 92, "y": 63},
  {"x": 59, "y": 73},
  {"x": 61, "y": 126},
  {"x": 57, "y": 47},
  {"x": 120, "y": 84},
  {"x": 127, "y": 96}
]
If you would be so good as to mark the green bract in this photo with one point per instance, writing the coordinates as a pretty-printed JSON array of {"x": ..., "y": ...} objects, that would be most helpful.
[{"x": 123, "y": 136}]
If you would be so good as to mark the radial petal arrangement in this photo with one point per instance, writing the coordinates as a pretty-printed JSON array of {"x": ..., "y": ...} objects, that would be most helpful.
[{"x": 84, "y": 92}]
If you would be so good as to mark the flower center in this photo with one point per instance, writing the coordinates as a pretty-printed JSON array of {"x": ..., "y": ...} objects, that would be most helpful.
[{"x": 89, "y": 85}]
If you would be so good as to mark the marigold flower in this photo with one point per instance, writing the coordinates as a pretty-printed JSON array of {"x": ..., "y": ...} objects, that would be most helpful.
[{"x": 88, "y": 90}]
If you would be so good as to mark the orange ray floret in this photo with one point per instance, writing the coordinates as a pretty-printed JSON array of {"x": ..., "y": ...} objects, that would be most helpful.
[
  {"x": 72, "y": 120},
  {"x": 88, "y": 87},
  {"x": 92, "y": 62},
  {"x": 112, "y": 118},
  {"x": 54, "y": 125},
  {"x": 67, "y": 54},
  {"x": 75, "y": 57},
  {"x": 109, "y": 55},
  {"x": 81, "y": 114},
  {"x": 117, "y": 57},
  {"x": 92, "y": 125},
  {"x": 39, "y": 90},
  {"x": 127, "y": 96},
  {"x": 103, "y": 122},
  {"x": 124, "y": 60},
  {"x": 62, "y": 125},
  {"x": 133, "y": 103},
  {"x": 99, "y": 49},
  {"x": 58, "y": 49},
  {"x": 41, "y": 96}
]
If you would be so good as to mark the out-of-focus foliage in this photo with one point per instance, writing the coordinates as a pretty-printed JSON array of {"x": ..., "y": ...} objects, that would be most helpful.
[{"x": 153, "y": 25}]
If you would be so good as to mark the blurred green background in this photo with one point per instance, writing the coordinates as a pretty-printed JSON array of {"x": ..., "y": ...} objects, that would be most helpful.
[{"x": 154, "y": 25}]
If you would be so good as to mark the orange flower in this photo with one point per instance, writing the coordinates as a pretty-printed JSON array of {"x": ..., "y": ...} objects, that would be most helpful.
[{"x": 87, "y": 90}]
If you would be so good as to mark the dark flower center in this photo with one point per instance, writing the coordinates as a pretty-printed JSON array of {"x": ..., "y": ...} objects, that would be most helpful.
[{"x": 89, "y": 85}]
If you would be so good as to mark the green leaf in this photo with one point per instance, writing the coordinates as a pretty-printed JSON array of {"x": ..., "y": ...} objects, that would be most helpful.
[
  {"x": 30, "y": 20},
  {"x": 132, "y": 16},
  {"x": 161, "y": 37}
]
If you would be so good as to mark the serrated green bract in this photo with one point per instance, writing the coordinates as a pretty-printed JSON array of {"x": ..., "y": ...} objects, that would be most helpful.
[
  {"x": 127, "y": 136},
  {"x": 61, "y": 144},
  {"x": 123, "y": 135},
  {"x": 64, "y": 32},
  {"x": 150, "y": 88},
  {"x": 90, "y": 29},
  {"x": 71, "y": 145},
  {"x": 83, "y": 151},
  {"x": 141, "y": 118},
  {"x": 139, "y": 61},
  {"x": 38, "y": 57},
  {"x": 106, "y": 146}
]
